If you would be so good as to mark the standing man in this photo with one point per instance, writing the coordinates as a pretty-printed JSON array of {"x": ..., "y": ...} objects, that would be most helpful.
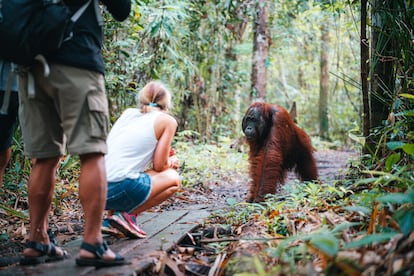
[
  {"x": 69, "y": 111},
  {"x": 9, "y": 103}
]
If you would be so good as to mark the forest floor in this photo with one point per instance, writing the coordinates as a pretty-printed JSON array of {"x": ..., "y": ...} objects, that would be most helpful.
[
  {"x": 349, "y": 223},
  {"x": 213, "y": 195}
]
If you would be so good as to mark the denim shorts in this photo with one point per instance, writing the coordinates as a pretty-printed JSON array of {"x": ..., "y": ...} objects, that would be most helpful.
[{"x": 128, "y": 194}]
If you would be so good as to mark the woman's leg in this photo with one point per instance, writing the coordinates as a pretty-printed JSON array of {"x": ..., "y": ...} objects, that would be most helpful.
[{"x": 164, "y": 185}]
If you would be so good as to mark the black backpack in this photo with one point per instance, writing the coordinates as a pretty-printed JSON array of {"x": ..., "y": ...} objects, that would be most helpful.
[{"x": 29, "y": 28}]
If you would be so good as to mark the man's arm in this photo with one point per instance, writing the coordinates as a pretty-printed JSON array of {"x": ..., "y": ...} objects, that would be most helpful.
[{"x": 119, "y": 9}]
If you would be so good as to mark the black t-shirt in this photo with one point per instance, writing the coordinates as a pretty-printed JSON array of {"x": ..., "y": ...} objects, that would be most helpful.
[{"x": 83, "y": 50}]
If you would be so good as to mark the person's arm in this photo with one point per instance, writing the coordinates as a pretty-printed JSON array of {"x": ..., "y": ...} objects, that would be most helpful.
[
  {"x": 119, "y": 9},
  {"x": 165, "y": 128}
]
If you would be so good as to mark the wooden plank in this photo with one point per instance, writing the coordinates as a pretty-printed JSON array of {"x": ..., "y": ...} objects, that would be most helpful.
[
  {"x": 139, "y": 253},
  {"x": 163, "y": 229}
]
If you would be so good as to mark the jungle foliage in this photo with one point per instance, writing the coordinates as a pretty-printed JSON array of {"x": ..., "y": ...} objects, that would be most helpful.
[{"x": 202, "y": 50}]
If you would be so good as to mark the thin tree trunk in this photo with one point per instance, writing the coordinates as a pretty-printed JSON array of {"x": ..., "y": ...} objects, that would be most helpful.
[
  {"x": 364, "y": 44},
  {"x": 260, "y": 52},
  {"x": 324, "y": 85},
  {"x": 382, "y": 78}
]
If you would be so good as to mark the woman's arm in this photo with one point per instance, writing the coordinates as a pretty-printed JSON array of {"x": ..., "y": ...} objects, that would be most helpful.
[{"x": 165, "y": 128}]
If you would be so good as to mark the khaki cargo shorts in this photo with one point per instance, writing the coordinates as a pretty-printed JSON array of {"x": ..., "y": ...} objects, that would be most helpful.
[{"x": 69, "y": 111}]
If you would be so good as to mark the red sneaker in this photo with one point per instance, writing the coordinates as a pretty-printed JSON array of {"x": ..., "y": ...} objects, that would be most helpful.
[
  {"x": 131, "y": 219},
  {"x": 118, "y": 221}
]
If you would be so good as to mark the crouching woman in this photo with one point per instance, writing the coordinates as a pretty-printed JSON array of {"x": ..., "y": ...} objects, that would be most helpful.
[{"x": 141, "y": 169}]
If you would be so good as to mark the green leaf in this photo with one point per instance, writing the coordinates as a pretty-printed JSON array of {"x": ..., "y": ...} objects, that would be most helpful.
[
  {"x": 167, "y": 28},
  {"x": 408, "y": 148},
  {"x": 405, "y": 218},
  {"x": 326, "y": 242},
  {"x": 397, "y": 198},
  {"x": 356, "y": 138},
  {"x": 17, "y": 167},
  {"x": 395, "y": 145},
  {"x": 155, "y": 28},
  {"x": 259, "y": 266},
  {"x": 407, "y": 96},
  {"x": 408, "y": 113},
  {"x": 391, "y": 161},
  {"x": 359, "y": 209},
  {"x": 370, "y": 239},
  {"x": 15, "y": 213},
  {"x": 343, "y": 226},
  {"x": 4, "y": 237}
]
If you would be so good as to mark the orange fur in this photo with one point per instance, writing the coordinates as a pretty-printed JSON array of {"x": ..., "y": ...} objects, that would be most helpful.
[{"x": 276, "y": 147}]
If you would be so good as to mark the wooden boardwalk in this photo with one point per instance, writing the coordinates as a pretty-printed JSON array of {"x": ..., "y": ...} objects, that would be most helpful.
[{"x": 164, "y": 230}]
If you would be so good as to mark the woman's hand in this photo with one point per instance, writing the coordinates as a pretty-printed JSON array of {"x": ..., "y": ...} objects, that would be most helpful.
[{"x": 173, "y": 162}]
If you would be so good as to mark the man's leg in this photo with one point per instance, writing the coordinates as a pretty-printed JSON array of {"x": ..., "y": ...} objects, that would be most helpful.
[
  {"x": 7, "y": 127},
  {"x": 41, "y": 186},
  {"x": 4, "y": 159},
  {"x": 92, "y": 193}
]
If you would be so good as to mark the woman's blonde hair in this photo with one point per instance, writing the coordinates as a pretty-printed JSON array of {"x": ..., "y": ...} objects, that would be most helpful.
[{"x": 154, "y": 94}]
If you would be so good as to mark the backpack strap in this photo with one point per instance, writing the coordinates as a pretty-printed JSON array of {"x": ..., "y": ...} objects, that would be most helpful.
[
  {"x": 98, "y": 14},
  {"x": 1, "y": 13},
  {"x": 81, "y": 10},
  {"x": 7, "y": 93}
]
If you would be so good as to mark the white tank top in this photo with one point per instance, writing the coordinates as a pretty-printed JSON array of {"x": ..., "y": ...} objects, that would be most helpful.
[{"x": 131, "y": 144}]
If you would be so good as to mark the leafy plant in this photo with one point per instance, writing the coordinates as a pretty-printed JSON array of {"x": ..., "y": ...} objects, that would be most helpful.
[
  {"x": 403, "y": 206},
  {"x": 207, "y": 161}
]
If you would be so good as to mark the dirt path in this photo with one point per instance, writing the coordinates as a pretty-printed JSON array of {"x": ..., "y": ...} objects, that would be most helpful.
[{"x": 331, "y": 166}]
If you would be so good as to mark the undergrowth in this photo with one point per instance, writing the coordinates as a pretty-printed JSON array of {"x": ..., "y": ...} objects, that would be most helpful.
[
  {"x": 361, "y": 223},
  {"x": 202, "y": 163}
]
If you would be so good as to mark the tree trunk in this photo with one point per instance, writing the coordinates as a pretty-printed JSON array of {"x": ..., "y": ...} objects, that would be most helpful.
[
  {"x": 260, "y": 52},
  {"x": 364, "y": 46},
  {"x": 382, "y": 76},
  {"x": 324, "y": 85}
]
